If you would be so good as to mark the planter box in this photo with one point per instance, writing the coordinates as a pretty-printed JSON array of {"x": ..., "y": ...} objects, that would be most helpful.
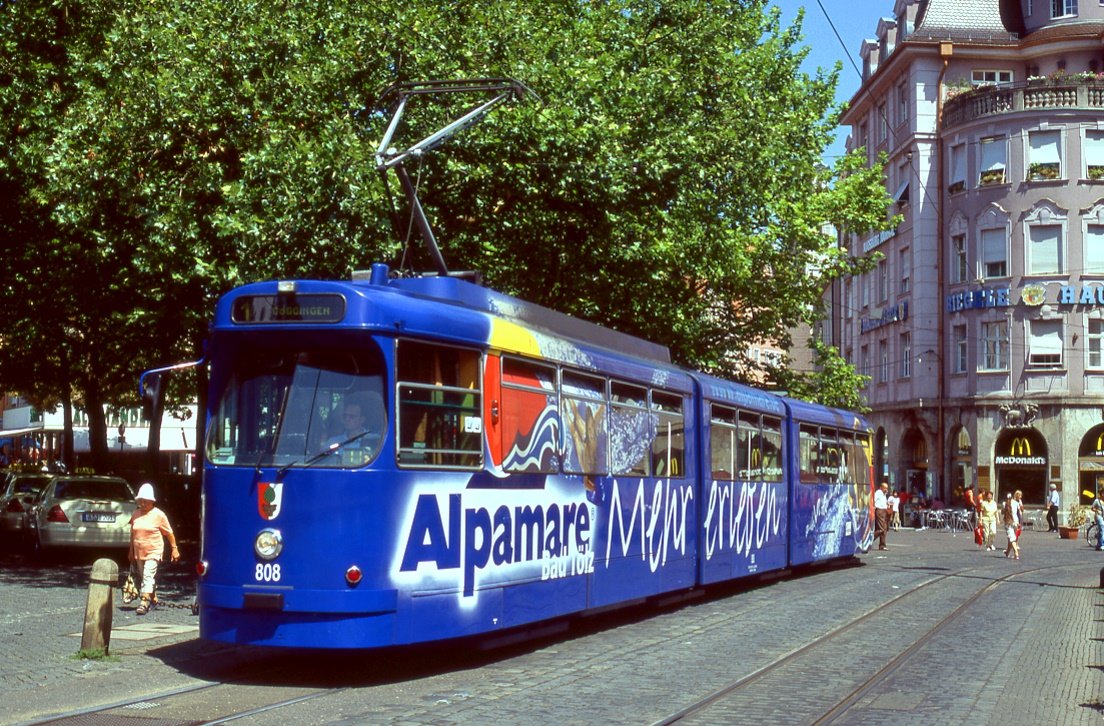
[{"x": 1068, "y": 532}]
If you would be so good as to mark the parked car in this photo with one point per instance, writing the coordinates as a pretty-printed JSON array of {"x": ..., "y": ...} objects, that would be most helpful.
[
  {"x": 81, "y": 511},
  {"x": 17, "y": 491}
]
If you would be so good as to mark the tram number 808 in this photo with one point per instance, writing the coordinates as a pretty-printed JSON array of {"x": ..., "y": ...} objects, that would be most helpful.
[{"x": 267, "y": 572}]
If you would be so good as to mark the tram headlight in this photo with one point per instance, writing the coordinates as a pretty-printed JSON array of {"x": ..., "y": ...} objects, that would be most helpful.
[{"x": 269, "y": 544}]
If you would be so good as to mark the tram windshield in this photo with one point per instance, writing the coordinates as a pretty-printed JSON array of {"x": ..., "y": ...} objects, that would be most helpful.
[{"x": 320, "y": 408}]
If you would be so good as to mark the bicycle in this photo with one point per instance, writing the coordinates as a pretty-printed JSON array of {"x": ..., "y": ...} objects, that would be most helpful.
[{"x": 1092, "y": 534}]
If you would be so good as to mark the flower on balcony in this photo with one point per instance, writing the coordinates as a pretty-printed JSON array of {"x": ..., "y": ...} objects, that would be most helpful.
[
  {"x": 992, "y": 176},
  {"x": 956, "y": 187},
  {"x": 1042, "y": 171},
  {"x": 1096, "y": 173}
]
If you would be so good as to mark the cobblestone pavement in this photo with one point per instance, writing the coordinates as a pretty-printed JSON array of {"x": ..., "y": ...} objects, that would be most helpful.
[{"x": 1028, "y": 649}]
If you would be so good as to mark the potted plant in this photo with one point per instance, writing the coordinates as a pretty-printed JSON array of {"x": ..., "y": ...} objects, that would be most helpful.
[{"x": 1076, "y": 518}]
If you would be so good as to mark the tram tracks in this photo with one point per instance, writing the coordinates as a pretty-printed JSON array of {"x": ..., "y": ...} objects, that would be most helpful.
[{"x": 712, "y": 707}]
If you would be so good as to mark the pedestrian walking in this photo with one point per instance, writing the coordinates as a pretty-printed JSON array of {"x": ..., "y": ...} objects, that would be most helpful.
[
  {"x": 1053, "y": 504},
  {"x": 1098, "y": 515},
  {"x": 894, "y": 501},
  {"x": 881, "y": 515},
  {"x": 149, "y": 528},
  {"x": 1013, "y": 518},
  {"x": 988, "y": 518}
]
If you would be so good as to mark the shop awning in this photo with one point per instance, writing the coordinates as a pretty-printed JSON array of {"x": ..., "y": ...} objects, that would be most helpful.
[{"x": 12, "y": 433}]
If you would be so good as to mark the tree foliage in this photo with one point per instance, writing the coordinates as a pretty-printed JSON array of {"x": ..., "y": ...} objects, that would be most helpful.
[{"x": 157, "y": 154}]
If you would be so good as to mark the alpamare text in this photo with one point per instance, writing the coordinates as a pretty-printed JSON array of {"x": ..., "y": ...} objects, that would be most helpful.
[{"x": 446, "y": 536}]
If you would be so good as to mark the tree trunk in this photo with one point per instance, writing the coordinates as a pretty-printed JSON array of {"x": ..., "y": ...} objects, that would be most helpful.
[
  {"x": 97, "y": 430},
  {"x": 68, "y": 456}
]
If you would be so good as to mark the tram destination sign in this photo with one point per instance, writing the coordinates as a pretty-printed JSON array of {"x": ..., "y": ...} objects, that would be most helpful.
[{"x": 293, "y": 308}]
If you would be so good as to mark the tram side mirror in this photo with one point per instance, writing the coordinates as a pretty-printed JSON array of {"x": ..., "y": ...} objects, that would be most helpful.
[{"x": 153, "y": 395}]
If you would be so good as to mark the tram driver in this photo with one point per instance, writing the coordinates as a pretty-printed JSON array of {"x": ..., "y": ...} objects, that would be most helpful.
[{"x": 356, "y": 440}]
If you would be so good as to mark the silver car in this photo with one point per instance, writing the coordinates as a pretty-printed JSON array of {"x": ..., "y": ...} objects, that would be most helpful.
[
  {"x": 17, "y": 491},
  {"x": 81, "y": 511}
]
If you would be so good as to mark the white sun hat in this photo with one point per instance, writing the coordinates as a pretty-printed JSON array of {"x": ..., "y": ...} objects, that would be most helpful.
[{"x": 146, "y": 492}]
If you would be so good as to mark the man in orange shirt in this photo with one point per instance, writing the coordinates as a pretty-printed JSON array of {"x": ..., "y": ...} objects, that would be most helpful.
[{"x": 149, "y": 528}]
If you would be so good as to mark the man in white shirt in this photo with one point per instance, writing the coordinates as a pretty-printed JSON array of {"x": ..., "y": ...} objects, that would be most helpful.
[
  {"x": 1053, "y": 502},
  {"x": 881, "y": 515}
]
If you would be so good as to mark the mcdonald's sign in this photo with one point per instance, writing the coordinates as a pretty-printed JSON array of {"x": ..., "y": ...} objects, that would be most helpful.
[{"x": 1019, "y": 454}]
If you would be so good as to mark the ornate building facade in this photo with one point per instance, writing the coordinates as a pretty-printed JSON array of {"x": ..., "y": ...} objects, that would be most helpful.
[{"x": 982, "y": 326}]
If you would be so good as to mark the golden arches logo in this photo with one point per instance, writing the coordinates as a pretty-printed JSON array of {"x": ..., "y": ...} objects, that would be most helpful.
[
  {"x": 1100, "y": 442},
  {"x": 756, "y": 459},
  {"x": 1021, "y": 446}
]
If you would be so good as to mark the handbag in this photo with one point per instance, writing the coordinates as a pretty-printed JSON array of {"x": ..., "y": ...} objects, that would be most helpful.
[
  {"x": 979, "y": 534},
  {"x": 130, "y": 589},
  {"x": 1019, "y": 531}
]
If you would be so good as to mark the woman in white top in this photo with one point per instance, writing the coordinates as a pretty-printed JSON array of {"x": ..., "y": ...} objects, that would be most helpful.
[{"x": 1013, "y": 517}]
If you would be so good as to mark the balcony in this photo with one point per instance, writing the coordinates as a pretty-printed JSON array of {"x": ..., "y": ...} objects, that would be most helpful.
[{"x": 1083, "y": 92}]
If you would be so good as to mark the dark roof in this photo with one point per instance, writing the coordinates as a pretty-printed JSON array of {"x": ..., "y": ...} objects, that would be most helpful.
[{"x": 974, "y": 21}]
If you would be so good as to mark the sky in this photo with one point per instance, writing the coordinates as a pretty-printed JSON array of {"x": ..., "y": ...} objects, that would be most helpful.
[{"x": 853, "y": 20}]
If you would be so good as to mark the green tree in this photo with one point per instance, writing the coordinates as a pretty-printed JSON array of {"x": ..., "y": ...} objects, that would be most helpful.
[{"x": 667, "y": 185}]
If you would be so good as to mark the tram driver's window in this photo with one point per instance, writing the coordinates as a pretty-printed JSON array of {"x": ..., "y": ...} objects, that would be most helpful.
[
  {"x": 439, "y": 407},
  {"x": 667, "y": 448}
]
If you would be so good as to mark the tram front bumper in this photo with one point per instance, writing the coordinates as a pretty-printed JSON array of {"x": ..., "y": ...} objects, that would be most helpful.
[{"x": 290, "y": 599}]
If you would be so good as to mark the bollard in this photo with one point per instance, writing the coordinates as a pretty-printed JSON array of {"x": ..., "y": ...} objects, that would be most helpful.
[
  {"x": 100, "y": 606},
  {"x": 1102, "y": 576}
]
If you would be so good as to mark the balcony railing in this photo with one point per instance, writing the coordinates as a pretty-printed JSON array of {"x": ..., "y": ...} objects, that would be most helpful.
[{"x": 1043, "y": 94}]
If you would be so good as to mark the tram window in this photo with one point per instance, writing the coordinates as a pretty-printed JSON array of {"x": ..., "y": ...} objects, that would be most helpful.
[
  {"x": 667, "y": 448},
  {"x": 847, "y": 457},
  {"x": 282, "y": 408},
  {"x": 722, "y": 442},
  {"x": 530, "y": 417},
  {"x": 632, "y": 429},
  {"x": 828, "y": 466},
  {"x": 439, "y": 406},
  {"x": 583, "y": 400},
  {"x": 747, "y": 443},
  {"x": 772, "y": 449},
  {"x": 808, "y": 452}
]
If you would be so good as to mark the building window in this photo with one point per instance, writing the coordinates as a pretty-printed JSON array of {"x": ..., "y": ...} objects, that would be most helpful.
[
  {"x": 960, "y": 349},
  {"x": 864, "y": 290},
  {"x": 902, "y": 103},
  {"x": 994, "y": 341},
  {"x": 1063, "y": 8},
  {"x": 994, "y": 153},
  {"x": 1044, "y": 158},
  {"x": 906, "y": 355},
  {"x": 862, "y": 135},
  {"x": 1095, "y": 343},
  {"x": 864, "y": 360},
  {"x": 1044, "y": 250},
  {"x": 904, "y": 263},
  {"x": 1044, "y": 343},
  {"x": 957, "y": 181},
  {"x": 883, "y": 359},
  {"x": 962, "y": 267},
  {"x": 1094, "y": 248},
  {"x": 883, "y": 280},
  {"x": 1094, "y": 154},
  {"x": 901, "y": 196},
  {"x": 994, "y": 253},
  {"x": 883, "y": 124},
  {"x": 991, "y": 78}
]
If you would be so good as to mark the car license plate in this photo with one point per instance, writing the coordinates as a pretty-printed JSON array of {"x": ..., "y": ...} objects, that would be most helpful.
[{"x": 98, "y": 516}]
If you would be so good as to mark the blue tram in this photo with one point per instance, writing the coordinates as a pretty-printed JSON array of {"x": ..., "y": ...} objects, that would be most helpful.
[{"x": 395, "y": 461}]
